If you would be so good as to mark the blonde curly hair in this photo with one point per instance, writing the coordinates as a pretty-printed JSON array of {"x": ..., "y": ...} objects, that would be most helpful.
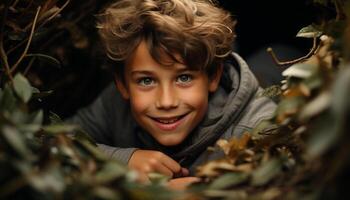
[{"x": 199, "y": 31}]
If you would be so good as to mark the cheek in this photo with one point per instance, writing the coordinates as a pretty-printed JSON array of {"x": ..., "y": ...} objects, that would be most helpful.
[
  {"x": 140, "y": 102},
  {"x": 197, "y": 98}
]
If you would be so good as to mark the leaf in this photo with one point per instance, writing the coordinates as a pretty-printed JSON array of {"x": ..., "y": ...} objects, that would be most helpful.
[
  {"x": 325, "y": 134},
  {"x": 16, "y": 141},
  {"x": 8, "y": 102},
  {"x": 288, "y": 107},
  {"x": 39, "y": 95},
  {"x": 47, "y": 58},
  {"x": 266, "y": 172},
  {"x": 59, "y": 128},
  {"x": 231, "y": 194},
  {"x": 315, "y": 107},
  {"x": 50, "y": 180},
  {"x": 157, "y": 178},
  {"x": 22, "y": 87},
  {"x": 110, "y": 171},
  {"x": 272, "y": 91},
  {"x": 82, "y": 135},
  {"x": 214, "y": 168},
  {"x": 54, "y": 118},
  {"x": 93, "y": 150},
  {"x": 228, "y": 180},
  {"x": 263, "y": 125},
  {"x": 106, "y": 193},
  {"x": 309, "y": 32},
  {"x": 300, "y": 70}
]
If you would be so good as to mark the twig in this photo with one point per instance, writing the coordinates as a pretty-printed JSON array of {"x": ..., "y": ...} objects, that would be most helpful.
[
  {"x": 51, "y": 17},
  {"x": 282, "y": 63},
  {"x": 29, "y": 66},
  {"x": 41, "y": 25},
  {"x": 339, "y": 9},
  {"x": 14, "y": 3},
  {"x": 3, "y": 55},
  {"x": 13, "y": 68}
]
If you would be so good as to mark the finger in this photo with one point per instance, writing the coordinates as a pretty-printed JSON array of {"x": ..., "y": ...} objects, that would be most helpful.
[
  {"x": 171, "y": 164},
  {"x": 142, "y": 178},
  {"x": 183, "y": 172},
  {"x": 160, "y": 168},
  {"x": 182, "y": 183}
]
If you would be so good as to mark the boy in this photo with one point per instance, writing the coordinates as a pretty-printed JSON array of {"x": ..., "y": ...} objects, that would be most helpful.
[{"x": 180, "y": 86}]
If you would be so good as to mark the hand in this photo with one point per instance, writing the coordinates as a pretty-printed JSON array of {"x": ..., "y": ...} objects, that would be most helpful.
[
  {"x": 146, "y": 161},
  {"x": 182, "y": 183}
]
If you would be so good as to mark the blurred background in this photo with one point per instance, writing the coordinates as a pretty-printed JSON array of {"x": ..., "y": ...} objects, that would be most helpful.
[{"x": 81, "y": 75}]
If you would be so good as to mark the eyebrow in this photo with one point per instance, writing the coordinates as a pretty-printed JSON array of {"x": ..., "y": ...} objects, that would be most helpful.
[{"x": 147, "y": 72}]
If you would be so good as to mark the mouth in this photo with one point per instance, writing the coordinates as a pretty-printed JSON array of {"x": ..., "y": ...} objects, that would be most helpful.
[{"x": 169, "y": 123}]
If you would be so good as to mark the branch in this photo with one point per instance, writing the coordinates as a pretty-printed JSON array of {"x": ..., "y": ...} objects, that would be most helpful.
[
  {"x": 13, "y": 68},
  {"x": 3, "y": 55},
  {"x": 282, "y": 63},
  {"x": 50, "y": 18}
]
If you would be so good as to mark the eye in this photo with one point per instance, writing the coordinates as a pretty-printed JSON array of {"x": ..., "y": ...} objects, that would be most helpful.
[
  {"x": 145, "y": 81},
  {"x": 184, "y": 78}
]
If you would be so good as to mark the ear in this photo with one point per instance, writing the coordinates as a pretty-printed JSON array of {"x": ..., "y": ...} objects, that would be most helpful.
[
  {"x": 120, "y": 84},
  {"x": 214, "y": 80}
]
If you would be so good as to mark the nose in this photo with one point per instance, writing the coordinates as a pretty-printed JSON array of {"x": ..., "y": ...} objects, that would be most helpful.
[{"x": 167, "y": 98}]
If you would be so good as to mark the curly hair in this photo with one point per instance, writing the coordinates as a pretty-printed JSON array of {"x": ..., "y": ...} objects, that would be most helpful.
[{"x": 199, "y": 31}]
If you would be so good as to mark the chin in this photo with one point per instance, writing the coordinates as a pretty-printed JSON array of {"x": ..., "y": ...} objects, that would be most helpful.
[{"x": 170, "y": 141}]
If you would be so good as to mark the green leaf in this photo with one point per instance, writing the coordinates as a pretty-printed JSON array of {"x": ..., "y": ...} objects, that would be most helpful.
[
  {"x": 260, "y": 128},
  {"x": 82, "y": 135},
  {"x": 106, "y": 193},
  {"x": 157, "y": 178},
  {"x": 325, "y": 134},
  {"x": 111, "y": 171},
  {"x": 300, "y": 70},
  {"x": 50, "y": 180},
  {"x": 315, "y": 107},
  {"x": 44, "y": 57},
  {"x": 309, "y": 32},
  {"x": 228, "y": 180},
  {"x": 93, "y": 150},
  {"x": 16, "y": 141},
  {"x": 38, "y": 94},
  {"x": 289, "y": 106},
  {"x": 266, "y": 172},
  {"x": 8, "y": 102},
  {"x": 54, "y": 118},
  {"x": 59, "y": 128},
  {"x": 270, "y": 92},
  {"x": 22, "y": 87}
]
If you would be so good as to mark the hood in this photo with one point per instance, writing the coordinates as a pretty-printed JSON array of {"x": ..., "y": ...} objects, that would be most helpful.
[{"x": 237, "y": 87}]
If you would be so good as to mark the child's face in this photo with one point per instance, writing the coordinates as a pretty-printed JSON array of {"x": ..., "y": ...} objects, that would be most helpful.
[{"x": 167, "y": 101}]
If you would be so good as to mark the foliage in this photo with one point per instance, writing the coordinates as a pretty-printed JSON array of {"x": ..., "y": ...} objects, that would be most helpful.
[{"x": 300, "y": 153}]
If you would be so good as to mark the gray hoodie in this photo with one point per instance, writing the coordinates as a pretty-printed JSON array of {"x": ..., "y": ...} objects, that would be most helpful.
[{"x": 233, "y": 109}]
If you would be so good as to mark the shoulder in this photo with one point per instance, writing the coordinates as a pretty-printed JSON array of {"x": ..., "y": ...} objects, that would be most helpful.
[{"x": 258, "y": 109}]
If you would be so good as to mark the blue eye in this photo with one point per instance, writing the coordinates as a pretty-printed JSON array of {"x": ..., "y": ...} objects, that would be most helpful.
[
  {"x": 184, "y": 78},
  {"x": 146, "y": 81}
]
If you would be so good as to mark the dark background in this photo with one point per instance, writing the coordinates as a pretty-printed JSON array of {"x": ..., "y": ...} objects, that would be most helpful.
[{"x": 82, "y": 76}]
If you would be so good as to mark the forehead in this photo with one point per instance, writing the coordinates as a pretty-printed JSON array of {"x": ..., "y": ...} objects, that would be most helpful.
[{"x": 141, "y": 58}]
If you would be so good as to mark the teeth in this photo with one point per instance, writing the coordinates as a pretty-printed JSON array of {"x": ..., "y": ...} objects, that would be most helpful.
[{"x": 167, "y": 121}]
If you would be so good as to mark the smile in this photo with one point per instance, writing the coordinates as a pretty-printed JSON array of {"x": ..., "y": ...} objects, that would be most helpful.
[{"x": 168, "y": 123}]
